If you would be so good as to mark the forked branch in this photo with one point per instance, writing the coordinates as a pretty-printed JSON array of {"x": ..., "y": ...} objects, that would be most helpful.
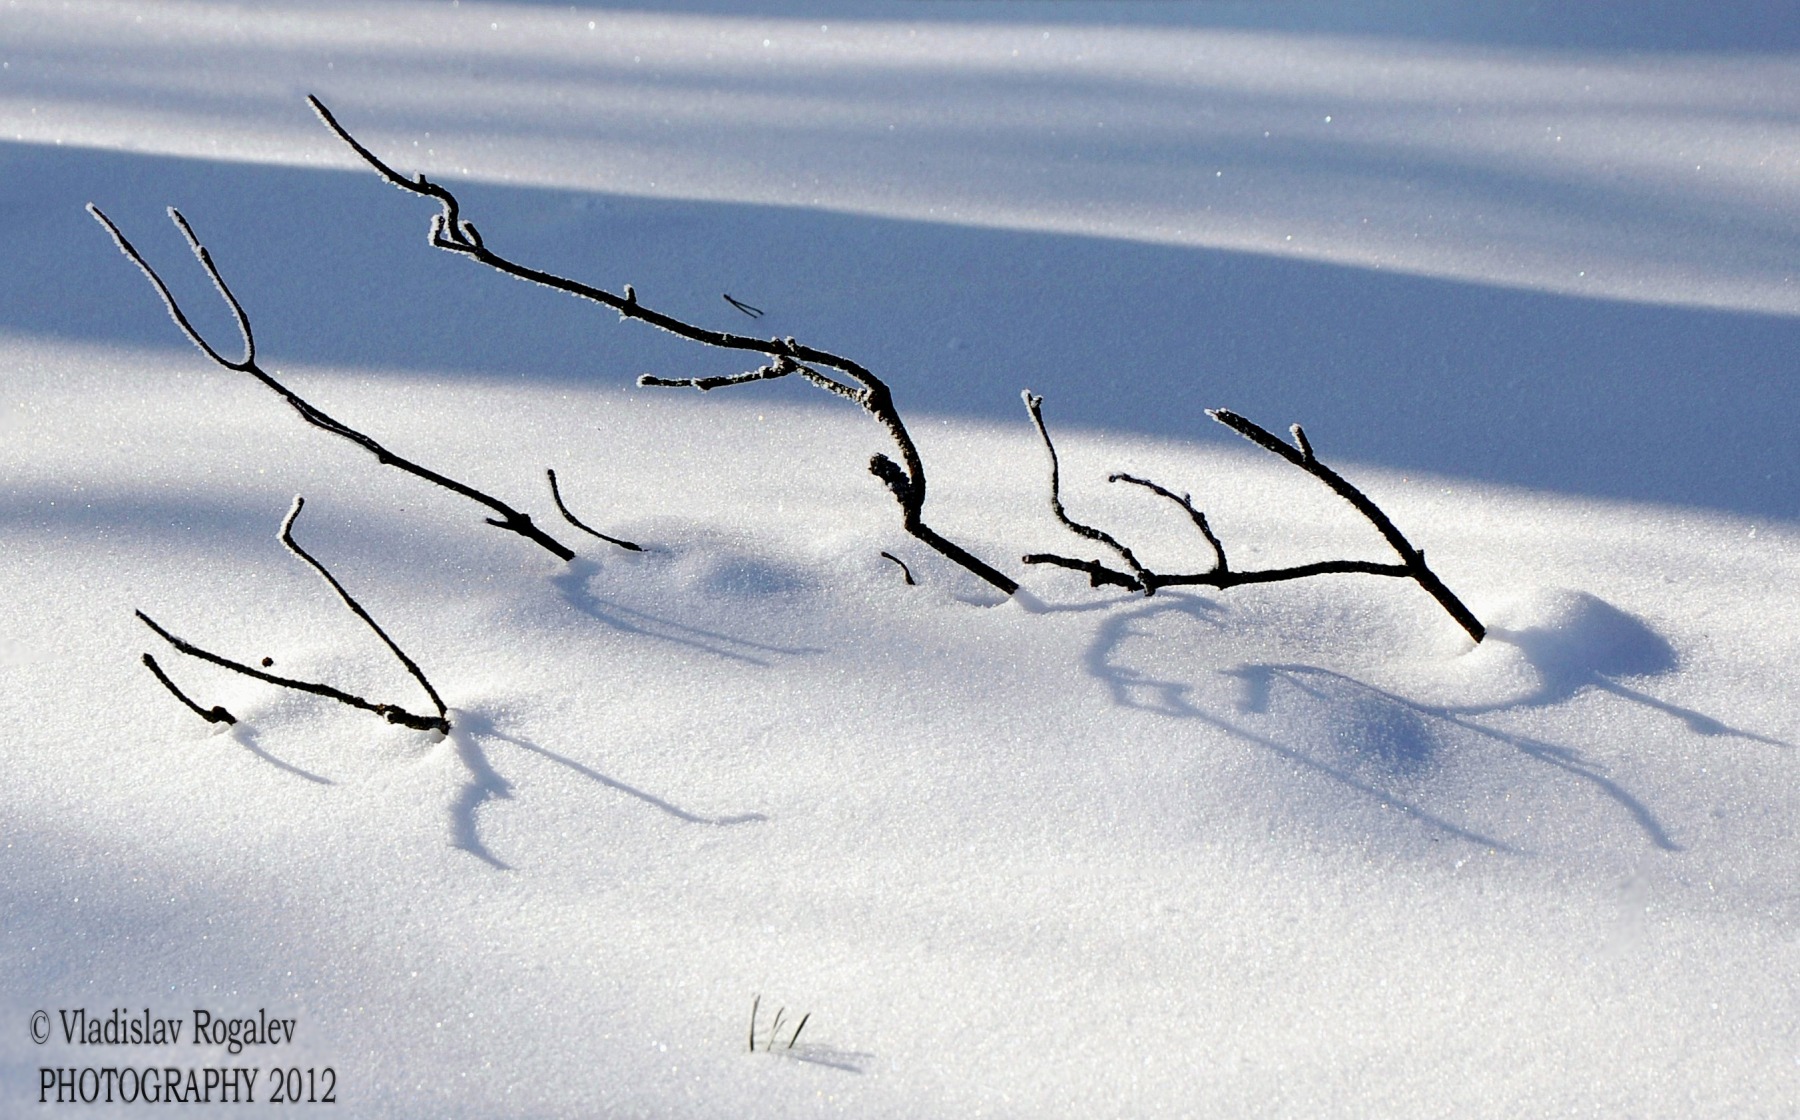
[
  {"x": 393, "y": 713},
  {"x": 1412, "y": 560},
  {"x": 510, "y": 519},
  {"x": 905, "y": 479}
]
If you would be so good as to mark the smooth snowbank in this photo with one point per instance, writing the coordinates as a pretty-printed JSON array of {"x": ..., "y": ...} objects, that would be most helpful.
[{"x": 1291, "y": 850}]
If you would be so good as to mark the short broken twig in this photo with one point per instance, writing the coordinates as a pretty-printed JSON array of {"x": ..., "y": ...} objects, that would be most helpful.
[
  {"x": 753, "y": 312},
  {"x": 905, "y": 572}
]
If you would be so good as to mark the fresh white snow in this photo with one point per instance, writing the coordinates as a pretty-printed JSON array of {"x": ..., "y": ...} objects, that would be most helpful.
[{"x": 1290, "y": 850}]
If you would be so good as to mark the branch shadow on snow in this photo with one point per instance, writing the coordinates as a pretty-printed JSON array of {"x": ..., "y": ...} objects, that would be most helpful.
[
  {"x": 245, "y": 736},
  {"x": 483, "y": 783},
  {"x": 1383, "y": 745},
  {"x": 572, "y": 584},
  {"x": 1557, "y": 392}
]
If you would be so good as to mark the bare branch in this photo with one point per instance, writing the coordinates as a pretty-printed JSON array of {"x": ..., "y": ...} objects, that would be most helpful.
[
  {"x": 1187, "y": 503},
  {"x": 830, "y": 385},
  {"x": 905, "y": 572},
  {"x": 1099, "y": 575},
  {"x": 450, "y": 232},
  {"x": 293, "y": 546},
  {"x": 393, "y": 713},
  {"x": 1034, "y": 404},
  {"x": 1413, "y": 560},
  {"x": 780, "y": 367},
  {"x": 556, "y": 496},
  {"x": 215, "y": 714},
  {"x": 1300, "y": 453},
  {"x": 510, "y": 519}
]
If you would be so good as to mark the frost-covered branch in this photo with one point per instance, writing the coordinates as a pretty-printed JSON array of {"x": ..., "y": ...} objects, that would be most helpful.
[
  {"x": 1411, "y": 566},
  {"x": 393, "y": 713},
  {"x": 510, "y": 519},
  {"x": 905, "y": 479}
]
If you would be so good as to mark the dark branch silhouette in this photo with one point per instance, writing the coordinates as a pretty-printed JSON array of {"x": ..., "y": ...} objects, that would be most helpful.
[
  {"x": 1034, "y": 404},
  {"x": 753, "y": 312},
  {"x": 905, "y": 572},
  {"x": 393, "y": 713},
  {"x": 215, "y": 714},
  {"x": 904, "y": 479},
  {"x": 510, "y": 519},
  {"x": 1138, "y": 578},
  {"x": 556, "y": 496}
]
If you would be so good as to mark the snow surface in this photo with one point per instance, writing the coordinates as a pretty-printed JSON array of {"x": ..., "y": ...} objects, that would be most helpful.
[{"x": 1292, "y": 850}]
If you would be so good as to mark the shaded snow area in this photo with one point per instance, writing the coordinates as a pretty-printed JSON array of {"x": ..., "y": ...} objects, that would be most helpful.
[{"x": 1297, "y": 849}]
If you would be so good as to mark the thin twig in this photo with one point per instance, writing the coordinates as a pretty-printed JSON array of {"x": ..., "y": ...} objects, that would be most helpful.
[
  {"x": 510, "y": 519},
  {"x": 780, "y": 367},
  {"x": 774, "y": 1028},
  {"x": 418, "y": 674},
  {"x": 216, "y": 714},
  {"x": 753, "y": 312},
  {"x": 905, "y": 480},
  {"x": 393, "y": 713},
  {"x": 754, "y": 1003},
  {"x": 798, "y": 1029},
  {"x": 1034, "y": 404},
  {"x": 905, "y": 572},
  {"x": 1186, "y": 502},
  {"x": 556, "y": 496}
]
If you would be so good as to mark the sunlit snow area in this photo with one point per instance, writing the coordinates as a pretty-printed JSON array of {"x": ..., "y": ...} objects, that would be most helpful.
[{"x": 1529, "y": 278}]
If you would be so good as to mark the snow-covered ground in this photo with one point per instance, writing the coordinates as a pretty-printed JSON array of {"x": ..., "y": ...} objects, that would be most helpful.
[{"x": 1293, "y": 850}]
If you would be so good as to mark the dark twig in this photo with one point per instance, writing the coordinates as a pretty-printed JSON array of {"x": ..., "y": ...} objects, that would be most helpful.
[
  {"x": 1034, "y": 404},
  {"x": 774, "y": 1027},
  {"x": 796, "y": 1035},
  {"x": 905, "y": 572},
  {"x": 215, "y": 714},
  {"x": 556, "y": 496},
  {"x": 1186, "y": 502},
  {"x": 390, "y": 712},
  {"x": 393, "y": 713},
  {"x": 1413, "y": 559},
  {"x": 1300, "y": 453},
  {"x": 412, "y": 667},
  {"x": 780, "y": 367},
  {"x": 753, "y": 312},
  {"x": 510, "y": 519},
  {"x": 754, "y": 1004},
  {"x": 905, "y": 479}
]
